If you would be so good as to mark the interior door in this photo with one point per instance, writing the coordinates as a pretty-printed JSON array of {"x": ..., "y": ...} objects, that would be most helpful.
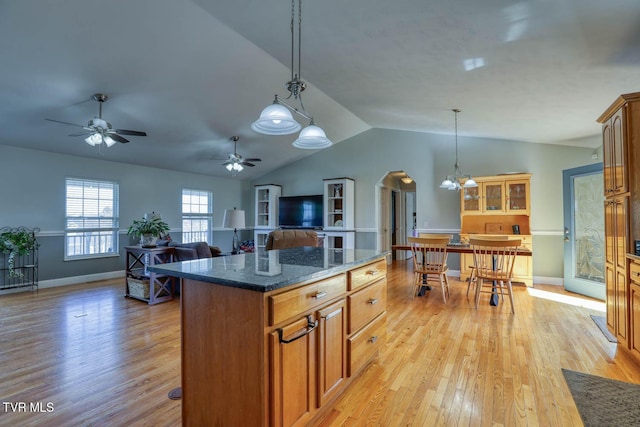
[
  {"x": 584, "y": 237},
  {"x": 384, "y": 215}
]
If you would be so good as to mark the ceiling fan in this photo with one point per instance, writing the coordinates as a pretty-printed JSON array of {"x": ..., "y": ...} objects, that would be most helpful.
[
  {"x": 235, "y": 162},
  {"x": 99, "y": 130}
]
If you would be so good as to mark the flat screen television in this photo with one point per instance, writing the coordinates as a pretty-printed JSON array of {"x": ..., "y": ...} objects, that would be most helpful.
[{"x": 300, "y": 212}]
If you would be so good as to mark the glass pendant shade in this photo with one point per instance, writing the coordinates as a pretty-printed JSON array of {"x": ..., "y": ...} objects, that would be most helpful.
[
  {"x": 108, "y": 140},
  {"x": 446, "y": 183},
  {"x": 276, "y": 119},
  {"x": 470, "y": 183},
  {"x": 94, "y": 139},
  {"x": 312, "y": 138}
]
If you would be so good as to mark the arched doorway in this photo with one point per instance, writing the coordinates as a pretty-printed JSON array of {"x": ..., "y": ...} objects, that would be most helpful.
[{"x": 396, "y": 213}]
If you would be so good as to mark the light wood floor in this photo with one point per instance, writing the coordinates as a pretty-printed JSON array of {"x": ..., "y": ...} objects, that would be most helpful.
[{"x": 97, "y": 358}]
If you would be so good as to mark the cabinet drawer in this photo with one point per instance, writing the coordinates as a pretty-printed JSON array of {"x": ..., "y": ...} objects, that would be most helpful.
[
  {"x": 297, "y": 301},
  {"x": 362, "y": 276},
  {"x": 363, "y": 345},
  {"x": 634, "y": 272},
  {"x": 366, "y": 304}
]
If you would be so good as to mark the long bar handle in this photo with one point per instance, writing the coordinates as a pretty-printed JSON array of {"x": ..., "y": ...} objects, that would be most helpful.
[
  {"x": 311, "y": 325},
  {"x": 319, "y": 295}
]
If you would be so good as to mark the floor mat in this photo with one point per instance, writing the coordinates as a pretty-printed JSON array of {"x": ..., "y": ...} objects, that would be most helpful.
[
  {"x": 601, "y": 321},
  {"x": 604, "y": 402}
]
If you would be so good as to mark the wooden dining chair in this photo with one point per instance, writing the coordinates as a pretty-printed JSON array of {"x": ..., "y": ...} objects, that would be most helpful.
[
  {"x": 472, "y": 282},
  {"x": 430, "y": 261},
  {"x": 493, "y": 262}
]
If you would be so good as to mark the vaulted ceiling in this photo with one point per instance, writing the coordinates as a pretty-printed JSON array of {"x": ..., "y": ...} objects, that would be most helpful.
[{"x": 193, "y": 73}]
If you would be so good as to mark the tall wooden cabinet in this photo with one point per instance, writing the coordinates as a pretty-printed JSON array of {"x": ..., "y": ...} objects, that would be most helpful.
[
  {"x": 498, "y": 206},
  {"x": 621, "y": 161}
]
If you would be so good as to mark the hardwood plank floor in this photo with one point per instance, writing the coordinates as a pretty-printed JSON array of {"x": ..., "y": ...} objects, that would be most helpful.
[{"x": 100, "y": 359}]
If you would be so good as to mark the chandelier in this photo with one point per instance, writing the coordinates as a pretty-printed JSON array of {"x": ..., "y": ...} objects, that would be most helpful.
[
  {"x": 276, "y": 119},
  {"x": 454, "y": 182}
]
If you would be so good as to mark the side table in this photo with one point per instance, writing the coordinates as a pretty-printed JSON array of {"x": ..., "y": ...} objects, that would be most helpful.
[{"x": 143, "y": 284}]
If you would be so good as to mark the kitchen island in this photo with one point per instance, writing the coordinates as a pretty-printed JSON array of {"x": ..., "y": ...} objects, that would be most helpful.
[{"x": 272, "y": 337}]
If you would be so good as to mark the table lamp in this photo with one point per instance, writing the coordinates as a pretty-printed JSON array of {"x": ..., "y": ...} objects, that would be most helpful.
[{"x": 234, "y": 219}]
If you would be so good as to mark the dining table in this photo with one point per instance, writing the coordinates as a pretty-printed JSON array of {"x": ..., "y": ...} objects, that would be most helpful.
[{"x": 465, "y": 248}]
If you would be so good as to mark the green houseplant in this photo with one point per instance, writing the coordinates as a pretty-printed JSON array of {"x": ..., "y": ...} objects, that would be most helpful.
[
  {"x": 148, "y": 230},
  {"x": 16, "y": 242}
]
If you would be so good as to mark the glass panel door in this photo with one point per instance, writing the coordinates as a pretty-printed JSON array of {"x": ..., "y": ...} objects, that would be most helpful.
[{"x": 584, "y": 231}]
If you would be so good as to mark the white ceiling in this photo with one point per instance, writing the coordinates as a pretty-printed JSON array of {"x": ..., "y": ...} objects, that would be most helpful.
[{"x": 192, "y": 73}]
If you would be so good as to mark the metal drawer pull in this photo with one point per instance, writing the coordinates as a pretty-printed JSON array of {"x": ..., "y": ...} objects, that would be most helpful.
[
  {"x": 319, "y": 295},
  {"x": 636, "y": 273},
  {"x": 372, "y": 272},
  {"x": 373, "y": 339},
  {"x": 372, "y": 301},
  {"x": 311, "y": 325}
]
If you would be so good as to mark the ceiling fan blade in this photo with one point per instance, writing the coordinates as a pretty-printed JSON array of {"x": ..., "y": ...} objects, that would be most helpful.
[
  {"x": 65, "y": 123},
  {"x": 87, "y": 132},
  {"x": 130, "y": 132},
  {"x": 116, "y": 137},
  {"x": 248, "y": 164},
  {"x": 254, "y": 160}
]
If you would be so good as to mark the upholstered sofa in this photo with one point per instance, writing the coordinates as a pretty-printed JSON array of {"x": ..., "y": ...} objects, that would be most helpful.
[
  {"x": 283, "y": 239},
  {"x": 195, "y": 250}
]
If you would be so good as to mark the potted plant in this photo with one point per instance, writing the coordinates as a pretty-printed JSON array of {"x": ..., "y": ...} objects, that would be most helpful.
[
  {"x": 16, "y": 242},
  {"x": 148, "y": 229}
]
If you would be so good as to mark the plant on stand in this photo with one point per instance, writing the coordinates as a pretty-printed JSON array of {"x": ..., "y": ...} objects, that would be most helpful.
[
  {"x": 148, "y": 229},
  {"x": 16, "y": 242}
]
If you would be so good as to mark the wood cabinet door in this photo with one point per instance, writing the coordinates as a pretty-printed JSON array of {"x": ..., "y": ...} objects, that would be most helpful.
[
  {"x": 493, "y": 197},
  {"x": 517, "y": 197},
  {"x": 292, "y": 373},
  {"x": 609, "y": 231},
  {"x": 620, "y": 217},
  {"x": 610, "y": 281},
  {"x": 607, "y": 158},
  {"x": 332, "y": 357},
  {"x": 634, "y": 318},
  {"x": 471, "y": 200},
  {"x": 621, "y": 306},
  {"x": 619, "y": 160}
]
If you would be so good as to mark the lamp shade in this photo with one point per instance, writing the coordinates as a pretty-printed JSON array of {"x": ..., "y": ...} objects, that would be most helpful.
[
  {"x": 276, "y": 119},
  {"x": 312, "y": 138},
  {"x": 233, "y": 218}
]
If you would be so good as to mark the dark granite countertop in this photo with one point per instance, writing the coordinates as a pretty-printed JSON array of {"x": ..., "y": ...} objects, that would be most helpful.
[{"x": 265, "y": 271}]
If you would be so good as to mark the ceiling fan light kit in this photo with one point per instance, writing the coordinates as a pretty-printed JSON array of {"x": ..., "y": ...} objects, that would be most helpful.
[
  {"x": 100, "y": 131},
  {"x": 277, "y": 118},
  {"x": 235, "y": 162},
  {"x": 454, "y": 182}
]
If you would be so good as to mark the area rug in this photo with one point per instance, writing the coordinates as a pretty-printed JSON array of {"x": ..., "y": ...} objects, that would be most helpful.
[
  {"x": 601, "y": 321},
  {"x": 604, "y": 402}
]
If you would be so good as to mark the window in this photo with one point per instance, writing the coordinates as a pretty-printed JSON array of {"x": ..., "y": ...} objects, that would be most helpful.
[
  {"x": 197, "y": 216},
  {"x": 92, "y": 221}
]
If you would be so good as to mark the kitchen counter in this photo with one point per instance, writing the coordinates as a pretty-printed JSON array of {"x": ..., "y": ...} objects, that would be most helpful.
[
  {"x": 265, "y": 271},
  {"x": 271, "y": 338}
]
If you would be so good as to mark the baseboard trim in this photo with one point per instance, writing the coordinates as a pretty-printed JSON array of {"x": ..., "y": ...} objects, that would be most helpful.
[
  {"x": 64, "y": 281},
  {"x": 542, "y": 280}
]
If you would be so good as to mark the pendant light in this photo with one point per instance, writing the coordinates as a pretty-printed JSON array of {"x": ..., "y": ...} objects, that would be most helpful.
[
  {"x": 277, "y": 118},
  {"x": 454, "y": 182}
]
